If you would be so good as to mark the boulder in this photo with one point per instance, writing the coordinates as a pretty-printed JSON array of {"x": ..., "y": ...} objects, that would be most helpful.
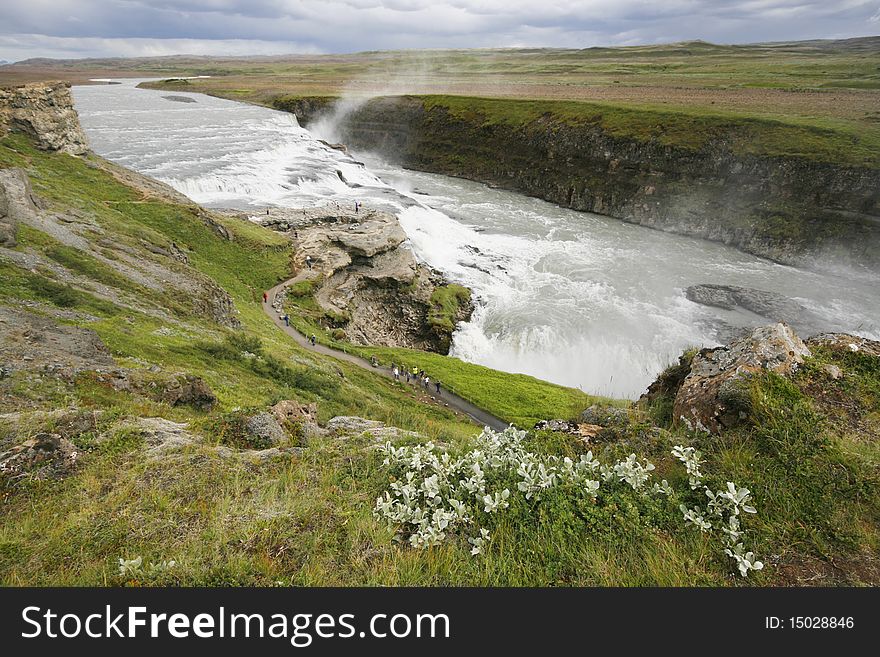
[
  {"x": 45, "y": 456},
  {"x": 264, "y": 429},
  {"x": 290, "y": 413},
  {"x": 713, "y": 397},
  {"x": 188, "y": 390},
  {"x": 584, "y": 431}
]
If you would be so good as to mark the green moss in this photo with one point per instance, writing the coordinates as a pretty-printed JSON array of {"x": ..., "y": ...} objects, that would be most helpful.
[{"x": 446, "y": 304}]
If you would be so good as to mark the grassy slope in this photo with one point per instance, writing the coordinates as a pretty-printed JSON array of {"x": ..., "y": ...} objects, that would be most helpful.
[
  {"x": 517, "y": 398},
  {"x": 306, "y": 520}
]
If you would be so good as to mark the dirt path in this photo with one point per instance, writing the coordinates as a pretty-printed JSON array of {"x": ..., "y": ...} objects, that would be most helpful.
[{"x": 453, "y": 401}]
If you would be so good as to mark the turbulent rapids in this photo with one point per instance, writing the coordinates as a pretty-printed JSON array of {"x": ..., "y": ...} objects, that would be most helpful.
[{"x": 571, "y": 297}]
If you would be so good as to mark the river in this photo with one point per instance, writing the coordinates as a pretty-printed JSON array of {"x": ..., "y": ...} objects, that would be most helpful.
[{"x": 570, "y": 297}]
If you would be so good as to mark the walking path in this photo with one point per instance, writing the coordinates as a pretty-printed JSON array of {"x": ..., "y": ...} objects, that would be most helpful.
[{"x": 478, "y": 415}]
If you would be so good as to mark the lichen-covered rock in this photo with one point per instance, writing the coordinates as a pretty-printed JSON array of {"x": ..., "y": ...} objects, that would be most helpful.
[
  {"x": 264, "y": 429},
  {"x": 44, "y": 111},
  {"x": 346, "y": 426},
  {"x": 299, "y": 419},
  {"x": 842, "y": 342},
  {"x": 364, "y": 278},
  {"x": 713, "y": 396}
]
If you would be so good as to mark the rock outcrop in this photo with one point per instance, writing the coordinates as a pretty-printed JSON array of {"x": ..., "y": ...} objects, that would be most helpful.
[
  {"x": 29, "y": 341},
  {"x": 16, "y": 202},
  {"x": 368, "y": 283},
  {"x": 769, "y": 305},
  {"x": 788, "y": 209},
  {"x": 714, "y": 394},
  {"x": 45, "y": 112}
]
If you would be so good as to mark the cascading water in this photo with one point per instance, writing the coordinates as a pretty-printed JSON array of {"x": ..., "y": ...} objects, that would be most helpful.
[{"x": 570, "y": 297}]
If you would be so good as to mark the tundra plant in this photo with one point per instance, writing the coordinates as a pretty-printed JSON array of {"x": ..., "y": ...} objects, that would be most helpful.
[{"x": 436, "y": 496}]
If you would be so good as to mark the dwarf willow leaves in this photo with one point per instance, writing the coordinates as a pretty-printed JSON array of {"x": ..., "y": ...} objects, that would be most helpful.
[{"x": 436, "y": 496}]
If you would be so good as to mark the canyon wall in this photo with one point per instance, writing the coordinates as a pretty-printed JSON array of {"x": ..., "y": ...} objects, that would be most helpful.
[{"x": 791, "y": 210}]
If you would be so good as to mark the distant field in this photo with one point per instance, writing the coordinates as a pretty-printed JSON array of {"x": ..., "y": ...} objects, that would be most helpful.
[{"x": 831, "y": 87}]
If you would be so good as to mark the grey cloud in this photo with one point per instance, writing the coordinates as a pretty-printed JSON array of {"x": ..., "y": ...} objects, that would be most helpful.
[{"x": 131, "y": 26}]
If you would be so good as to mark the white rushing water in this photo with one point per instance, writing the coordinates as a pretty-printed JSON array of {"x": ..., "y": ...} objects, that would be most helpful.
[{"x": 570, "y": 297}]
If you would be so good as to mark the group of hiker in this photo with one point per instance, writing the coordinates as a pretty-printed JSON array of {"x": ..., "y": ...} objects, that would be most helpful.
[{"x": 416, "y": 374}]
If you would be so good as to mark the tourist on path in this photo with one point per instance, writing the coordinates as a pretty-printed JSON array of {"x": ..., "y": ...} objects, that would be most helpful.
[
  {"x": 265, "y": 297},
  {"x": 309, "y": 261},
  {"x": 313, "y": 339},
  {"x": 286, "y": 319},
  {"x": 437, "y": 384}
]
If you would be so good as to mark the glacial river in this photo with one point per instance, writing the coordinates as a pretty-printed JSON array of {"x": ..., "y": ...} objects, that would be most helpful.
[{"x": 571, "y": 297}]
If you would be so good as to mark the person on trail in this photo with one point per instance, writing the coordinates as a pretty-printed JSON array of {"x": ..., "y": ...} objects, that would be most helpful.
[
  {"x": 309, "y": 261},
  {"x": 396, "y": 374},
  {"x": 267, "y": 212},
  {"x": 313, "y": 339},
  {"x": 427, "y": 381},
  {"x": 265, "y": 297},
  {"x": 408, "y": 376},
  {"x": 286, "y": 319},
  {"x": 437, "y": 384},
  {"x": 374, "y": 361},
  {"x": 415, "y": 373}
]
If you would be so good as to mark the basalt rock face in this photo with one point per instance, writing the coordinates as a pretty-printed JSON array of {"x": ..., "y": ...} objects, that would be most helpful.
[
  {"x": 788, "y": 209},
  {"x": 45, "y": 112}
]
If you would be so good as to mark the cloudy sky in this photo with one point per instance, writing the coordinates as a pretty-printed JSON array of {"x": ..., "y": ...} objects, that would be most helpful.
[{"x": 98, "y": 28}]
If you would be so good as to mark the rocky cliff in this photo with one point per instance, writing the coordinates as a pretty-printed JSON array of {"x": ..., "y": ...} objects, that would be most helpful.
[
  {"x": 45, "y": 112},
  {"x": 792, "y": 210}
]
